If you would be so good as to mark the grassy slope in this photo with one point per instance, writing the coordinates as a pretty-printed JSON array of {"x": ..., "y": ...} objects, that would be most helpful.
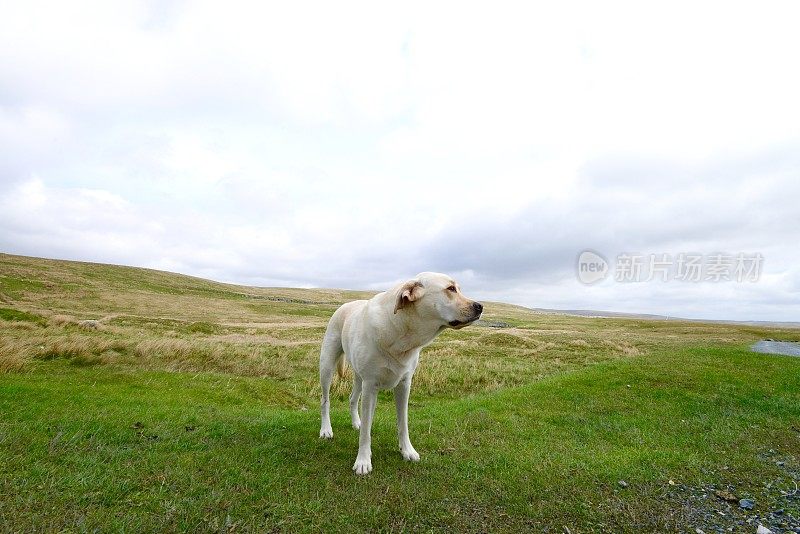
[{"x": 110, "y": 437}]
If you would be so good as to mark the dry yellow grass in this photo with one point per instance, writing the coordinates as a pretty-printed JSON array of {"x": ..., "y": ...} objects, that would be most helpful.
[
  {"x": 12, "y": 355},
  {"x": 159, "y": 320},
  {"x": 60, "y": 319}
]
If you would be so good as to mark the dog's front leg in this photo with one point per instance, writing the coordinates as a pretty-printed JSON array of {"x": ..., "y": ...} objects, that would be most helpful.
[
  {"x": 369, "y": 397},
  {"x": 401, "y": 393}
]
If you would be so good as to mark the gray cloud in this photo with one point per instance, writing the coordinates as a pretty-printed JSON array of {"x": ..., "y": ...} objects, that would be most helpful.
[{"x": 263, "y": 147}]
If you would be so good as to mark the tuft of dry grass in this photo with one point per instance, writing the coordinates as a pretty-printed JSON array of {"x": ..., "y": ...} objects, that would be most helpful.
[
  {"x": 80, "y": 350},
  {"x": 60, "y": 319},
  {"x": 180, "y": 354},
  {"x": 12, "y": 355}
]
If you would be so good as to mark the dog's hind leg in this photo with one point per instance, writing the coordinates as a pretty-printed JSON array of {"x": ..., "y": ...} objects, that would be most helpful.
[
  {"x": 329, "y": 357},
  {"x": 355, "y": 396}
]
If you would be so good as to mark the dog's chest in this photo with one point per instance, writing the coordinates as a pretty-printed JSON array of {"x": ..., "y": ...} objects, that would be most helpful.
[
  {"x": 392, "y": 371},
  {"x": 388, "y": 378}
]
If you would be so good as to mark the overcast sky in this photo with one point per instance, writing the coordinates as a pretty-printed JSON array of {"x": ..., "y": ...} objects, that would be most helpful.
[{"x": 336, "y": 145}]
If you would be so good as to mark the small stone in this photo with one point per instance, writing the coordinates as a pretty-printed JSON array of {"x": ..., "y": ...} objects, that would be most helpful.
[
  {"x": 726, "y": 495},
  {"x": 699, "y": 531},
  {"x": 622, "y": 484},
  {"x": 747, "y": 504},
  {"x": 763, "y": 530},
  {"x": 671, "y": 482}
]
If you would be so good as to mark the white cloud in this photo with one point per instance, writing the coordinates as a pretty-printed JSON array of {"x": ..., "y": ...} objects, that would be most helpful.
[{"x": 354, "y": 144}]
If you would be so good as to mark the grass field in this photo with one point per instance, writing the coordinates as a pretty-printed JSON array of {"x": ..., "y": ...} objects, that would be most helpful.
[{"x": 136, "y": 400}]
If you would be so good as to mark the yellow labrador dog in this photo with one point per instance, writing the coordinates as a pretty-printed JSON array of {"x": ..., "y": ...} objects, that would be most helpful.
[{"x": 381, "y": 339}]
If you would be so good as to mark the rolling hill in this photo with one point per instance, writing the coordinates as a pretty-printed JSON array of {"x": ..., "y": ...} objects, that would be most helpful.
[{"x": 134, "y": 399}]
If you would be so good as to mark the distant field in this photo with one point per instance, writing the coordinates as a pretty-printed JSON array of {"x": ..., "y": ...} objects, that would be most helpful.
[{"x": 133, "y": 399}]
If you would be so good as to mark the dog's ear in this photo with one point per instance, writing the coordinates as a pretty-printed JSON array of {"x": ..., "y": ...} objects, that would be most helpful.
[{"x": 411, "y": 291}]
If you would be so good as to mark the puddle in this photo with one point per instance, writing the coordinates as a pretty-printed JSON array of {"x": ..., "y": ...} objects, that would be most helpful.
[{"x": 790, "y": 348}]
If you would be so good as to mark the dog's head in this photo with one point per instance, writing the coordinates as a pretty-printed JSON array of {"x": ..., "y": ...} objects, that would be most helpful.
[{"x": 437, "y": 297}]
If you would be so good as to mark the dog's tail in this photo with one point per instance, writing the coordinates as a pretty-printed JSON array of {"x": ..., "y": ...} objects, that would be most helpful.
[
  {"x": 331, "y": 354},
  {"x": 341, "y": 365}
]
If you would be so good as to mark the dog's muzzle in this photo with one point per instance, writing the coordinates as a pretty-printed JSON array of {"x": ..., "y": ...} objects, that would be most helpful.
[{"x": 477, "y": 309}]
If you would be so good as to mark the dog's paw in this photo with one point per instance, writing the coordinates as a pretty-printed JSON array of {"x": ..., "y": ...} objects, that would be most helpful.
[
  {"x": 357, "y": 424},
  {"x": 410, "y": 454},
  {"x": 362, "y": 467},
  {"x": 326, "y": 433}
]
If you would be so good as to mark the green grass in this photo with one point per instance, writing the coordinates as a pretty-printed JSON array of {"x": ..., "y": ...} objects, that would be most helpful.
[
  {"x": 152, "y": 450},
  {"x": 202, "y": 415},
  {"x": 10, "y": 314}
]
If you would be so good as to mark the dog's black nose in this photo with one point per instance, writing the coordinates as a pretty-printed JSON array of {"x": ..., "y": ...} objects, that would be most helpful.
[{"x": 477, "y": 306}]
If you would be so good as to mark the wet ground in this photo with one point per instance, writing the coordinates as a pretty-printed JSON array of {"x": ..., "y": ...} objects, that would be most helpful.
[{"x": 768, "y": 346}]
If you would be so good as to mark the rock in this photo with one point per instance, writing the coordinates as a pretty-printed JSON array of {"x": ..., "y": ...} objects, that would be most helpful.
[
  {"x": 492, "y": 324},
  {"x": 763, "y": 530},
  {"x": 726, "y": 495},
  {"x": 622, "y": 484},
  {"x": 747, "y": 504},
  {"x": 90, "y": 324},
  {"x": 699, "y": 531}
]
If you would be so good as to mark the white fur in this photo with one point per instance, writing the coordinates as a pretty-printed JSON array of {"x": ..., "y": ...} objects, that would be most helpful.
[{"x": 381, "y": 339}]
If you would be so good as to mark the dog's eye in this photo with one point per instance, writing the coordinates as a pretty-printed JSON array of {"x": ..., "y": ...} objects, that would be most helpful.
[{"x": 452, "y": 288}]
